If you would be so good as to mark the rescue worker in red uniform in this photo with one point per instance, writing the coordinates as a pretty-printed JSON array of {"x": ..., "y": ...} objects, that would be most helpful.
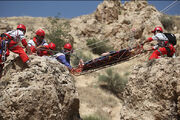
[
  {"x": 48, "y": 50},
  {"x": 52, "y": 47},
  {"x": 38, "y": 44},
  {"x": 16, "y": 36},
  {"x": 163, "y": 47},
  {"x": 64, "y": 56},
  {"x": 9, "y": 41}
]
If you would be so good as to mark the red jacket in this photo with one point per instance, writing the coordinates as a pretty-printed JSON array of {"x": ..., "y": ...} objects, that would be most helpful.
[
  {"x": 15, "y": 37},
  {"x": 41, "y": 51}
]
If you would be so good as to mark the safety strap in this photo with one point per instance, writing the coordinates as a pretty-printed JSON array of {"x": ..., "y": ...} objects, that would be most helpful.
[
  {"x": 13, "y": 46},
  {"x": 9, "y": 40},
  {"x": 3, "y": 49},
  {"x": 168, "y": 52},
  {"x": 159, "y": 52},
  {"x": 13, "y": 39},
  {"x": 38, "y": 44}
]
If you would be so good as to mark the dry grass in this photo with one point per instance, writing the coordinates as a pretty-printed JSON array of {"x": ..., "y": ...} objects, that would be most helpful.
[
  {"x": 176, "y": 20},
  {"x": 91, "y": 117},
  {"x": 95, "y": 98},
  {"x": 167, "y": 22},
  {"x": 113, "y": 81}
]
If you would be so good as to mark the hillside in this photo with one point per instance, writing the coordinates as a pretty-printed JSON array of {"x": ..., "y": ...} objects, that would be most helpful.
[{"x": 118, "y": 26}]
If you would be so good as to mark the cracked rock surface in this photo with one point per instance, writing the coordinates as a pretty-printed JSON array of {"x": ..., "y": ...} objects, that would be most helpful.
[
  {"x": 44, "y": 91},
  {"x": 153, "y": 91}
]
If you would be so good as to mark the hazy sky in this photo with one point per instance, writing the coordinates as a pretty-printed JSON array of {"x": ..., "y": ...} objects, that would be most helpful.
[{"x": 67, "y": 9}]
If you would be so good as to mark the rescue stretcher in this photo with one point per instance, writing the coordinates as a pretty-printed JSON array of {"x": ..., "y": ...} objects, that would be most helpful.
[
  {"x": 112, "y": 58},
  {"x": 109, "y": 59}
]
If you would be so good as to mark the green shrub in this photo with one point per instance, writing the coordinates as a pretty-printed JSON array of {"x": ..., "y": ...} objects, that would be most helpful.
[
  {"x": 92, "y": 118},
  {"x": 57, "y": 33},
  {"x": 167, "y": 22},
  {"x": 120, "y": 12},
  {"x": 98, "y": 48},
  {"x": 114, "y": 81}
]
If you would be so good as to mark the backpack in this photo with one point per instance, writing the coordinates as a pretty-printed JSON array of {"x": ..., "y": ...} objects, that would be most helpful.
[{"x": 171, "y": 38}]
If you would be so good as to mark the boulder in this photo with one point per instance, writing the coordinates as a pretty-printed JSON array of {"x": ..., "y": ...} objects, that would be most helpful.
[
  {"x": 108, "y": 11},
  {"x": 153, "y": 91},
  {"x": 44, "y": 90}
]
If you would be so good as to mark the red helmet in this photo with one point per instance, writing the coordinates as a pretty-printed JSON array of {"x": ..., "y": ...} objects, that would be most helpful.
[
  {"x": 68, "y": 46},
  {"x": 52, "y": 46},
  {"x": 22, "y": 27},
  {"x": 157, "y": 29},
  {"x": 40, "y": 32}
]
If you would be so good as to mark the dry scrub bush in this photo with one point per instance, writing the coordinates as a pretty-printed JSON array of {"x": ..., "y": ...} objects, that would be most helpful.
[
  {"x": 80, "y": 55},
  {"x": 58, "y": 32},
  {"x": 98, "y": 47},
  {"x": 93, "y": 117},
  {"x": 167, "y": 22},
  {"x": 115, "y": 82}
]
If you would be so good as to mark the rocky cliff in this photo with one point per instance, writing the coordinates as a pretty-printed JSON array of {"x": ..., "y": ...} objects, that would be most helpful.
[
  {"x": 45, "y": 90},
  {"x": 116, "y": 21},
  {"x": 153, "y": 91}
]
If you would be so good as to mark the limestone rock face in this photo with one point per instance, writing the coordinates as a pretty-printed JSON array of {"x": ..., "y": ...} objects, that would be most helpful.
[
  {"x": 115, "y": 21},
  {"x": 108, "y": 11},
  {"x": 45, "y": 90},
  {"x": 153, "y": 91},
  {"x": 4, "y": 27}
]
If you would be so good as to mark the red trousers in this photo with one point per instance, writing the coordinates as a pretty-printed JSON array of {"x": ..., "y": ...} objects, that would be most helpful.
[
  {"x": 43, "y": 52},
  {"x": 162, "y": 51},
  {"x": 19, "y": 50}
]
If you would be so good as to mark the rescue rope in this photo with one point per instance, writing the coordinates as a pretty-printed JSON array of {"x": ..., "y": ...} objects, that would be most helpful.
[
  {"x": 131, "y": 36},
  {"x": 169, "y": 6},
  {"x": 77, "y": 49},
  {"x": 73, "y": 50},
  {"x": 113, "y": 63},
  {"x": 133, "y": 32},
  {"x": 163, "y": 10},
  {"x": 118, "y": 60},
  {"x": 103, "y": 41}
]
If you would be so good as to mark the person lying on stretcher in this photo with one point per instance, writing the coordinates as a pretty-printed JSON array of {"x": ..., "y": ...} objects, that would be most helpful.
[
  {"x": 109, "y": 58},
  {"x": 103, "y": 56}
]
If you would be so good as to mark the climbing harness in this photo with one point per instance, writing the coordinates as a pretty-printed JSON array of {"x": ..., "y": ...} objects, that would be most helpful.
[{"x": 3, "y": 49}]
